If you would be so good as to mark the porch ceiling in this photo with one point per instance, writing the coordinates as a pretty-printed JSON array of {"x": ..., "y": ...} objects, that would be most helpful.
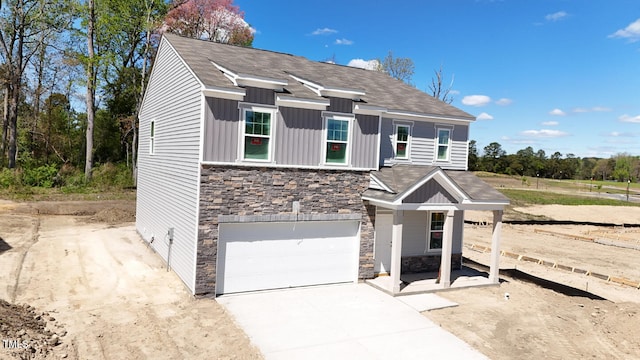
[{"x": 407, "y": 182}]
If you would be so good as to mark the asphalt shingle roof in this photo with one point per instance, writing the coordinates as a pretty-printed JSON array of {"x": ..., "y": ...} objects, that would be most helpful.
[
  {"x": 380, "y": 89},
  {"x": 401, "y": 177}
]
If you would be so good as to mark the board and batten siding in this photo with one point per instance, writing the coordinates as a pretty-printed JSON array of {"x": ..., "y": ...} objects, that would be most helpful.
[
  {"x": 364, "y": 149},
  {"x": 168, "y": 180},
  {"x": 423, "y": 145},
  {"x": 221, "y": 128},
  {"x": 298, "y": 137}
]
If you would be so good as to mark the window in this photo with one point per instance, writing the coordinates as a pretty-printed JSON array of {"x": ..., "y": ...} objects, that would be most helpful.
[
  {"x": 152, "y": 138},
  {"x": 443, "y": 144},
  {"x": 257, "y": 134},
  {"x": 436, "y": 231},
  {"x": 337, "y": 141},
  {"x": 402, "y": 141}
]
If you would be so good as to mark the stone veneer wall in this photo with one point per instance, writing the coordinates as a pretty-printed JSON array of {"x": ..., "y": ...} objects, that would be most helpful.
[
  {"x": 427, "y": 263},
  {"x": 229, "y": 190}
]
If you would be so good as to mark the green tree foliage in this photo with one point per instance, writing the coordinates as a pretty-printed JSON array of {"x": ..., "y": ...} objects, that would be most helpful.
[{"x": 528, "y": 162}]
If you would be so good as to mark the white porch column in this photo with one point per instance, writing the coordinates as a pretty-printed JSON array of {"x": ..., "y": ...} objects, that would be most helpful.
[
  {"x": 447, "y": 243},
  {"x": 495, "y": 247},
  {"x": 396, "y": 250}
]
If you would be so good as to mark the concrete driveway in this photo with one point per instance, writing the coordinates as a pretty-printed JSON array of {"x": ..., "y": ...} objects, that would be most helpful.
[{"x": 350, "y": 321}]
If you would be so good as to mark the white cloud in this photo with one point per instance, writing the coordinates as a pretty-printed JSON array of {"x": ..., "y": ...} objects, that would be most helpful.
[
  {"x": 556, "y": 16},
  {"x": 593, "y": 109},
  {"x": 557, "y": 112},
  {"x": 621, "y": 134},
  {"x": 550, "y": 123},
  {"x": 324, "y": 31},
  {"x": 476, "y": 100},
  {"x": 631, "y": 32},
  {"x": 343, "y": 42},
  {"x": 364, "y": 64},
  {"x": 504, "y": 102},
  {"x": 484, "y": 116},
  {"x": 545, "y": 133},
  {"x": 631, "y": 119}
]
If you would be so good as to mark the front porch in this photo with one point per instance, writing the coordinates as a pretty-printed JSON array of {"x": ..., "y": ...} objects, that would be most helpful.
[
  {"x": 419, "y": 227},
  {"x": 426, "y": 282}
]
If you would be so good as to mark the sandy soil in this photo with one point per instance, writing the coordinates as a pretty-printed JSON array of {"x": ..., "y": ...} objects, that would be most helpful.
[
  {"x": 110, "y": 295},
  {"x": 538, "y": 322}
]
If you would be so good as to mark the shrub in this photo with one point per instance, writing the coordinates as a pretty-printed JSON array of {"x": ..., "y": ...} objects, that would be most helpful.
[
  {"x": 41, "y": 176},
  {"x": 9, "y": 178},
  {"x": 109, "y": 175}
]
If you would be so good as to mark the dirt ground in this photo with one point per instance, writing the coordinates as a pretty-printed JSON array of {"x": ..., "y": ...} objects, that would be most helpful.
[
  {"x": 523, "y": 320},
  {"x": 84, "y": 286}
]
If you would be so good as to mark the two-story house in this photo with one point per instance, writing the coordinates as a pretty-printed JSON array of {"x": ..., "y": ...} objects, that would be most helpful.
[{"x": 263, "y": 170}]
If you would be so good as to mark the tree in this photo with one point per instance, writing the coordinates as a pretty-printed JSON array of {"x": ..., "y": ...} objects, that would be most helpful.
[
  {"x": 398, "y": 68},
  {"x": 213, "y": 20},
  {"x": 22, "y": 23},
  {"x": 91, "y": 90},
  {"x": 472, "y": 160},
  {"x": 623, "y": 167},
  {"x": 437, "y": 90},
  {"x": 493, "y": 156}
]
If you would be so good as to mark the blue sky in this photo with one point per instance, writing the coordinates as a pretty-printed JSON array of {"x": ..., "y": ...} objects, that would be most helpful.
[{"x": 559, "y": 75}]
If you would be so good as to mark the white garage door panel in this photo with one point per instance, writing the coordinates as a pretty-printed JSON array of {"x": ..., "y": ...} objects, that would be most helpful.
[{"x": 261, "y": 256}]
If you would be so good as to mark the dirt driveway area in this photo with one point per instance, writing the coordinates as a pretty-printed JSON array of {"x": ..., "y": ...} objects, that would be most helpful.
[
  {"x": 528, "y": 318},
  {"x": 92, "y": 289}
]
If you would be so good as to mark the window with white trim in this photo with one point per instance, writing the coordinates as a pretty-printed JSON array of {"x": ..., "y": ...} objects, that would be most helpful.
[
  {"x": 435, "y": 231},
  {"x": 337, "y": 140},
  {"x": 444, "y": 144},
  {"x": 402, "y": 141},
  {"x": 152, "y": 138},
  {"x": 257, "y": 134}
]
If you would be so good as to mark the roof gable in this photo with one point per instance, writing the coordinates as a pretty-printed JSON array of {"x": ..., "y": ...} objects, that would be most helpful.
[{"x": 412, "y": 184}]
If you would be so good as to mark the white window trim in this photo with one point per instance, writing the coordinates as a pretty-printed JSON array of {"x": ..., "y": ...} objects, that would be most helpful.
[
  {"x": 152, "y": 137},
  {"x": 242, "y": 132},
  {"x": 428, "y": 248},
  {"x": 437, "y": 143},
  {"x": 395, "y": 141},
  {"x": 349, "y": 142}
]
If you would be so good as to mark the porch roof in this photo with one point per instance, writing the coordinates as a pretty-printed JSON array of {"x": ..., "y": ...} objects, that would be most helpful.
[{"x": 404, "y": 182}]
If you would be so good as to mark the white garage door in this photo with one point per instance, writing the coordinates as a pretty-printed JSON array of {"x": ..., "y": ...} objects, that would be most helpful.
[{"x": 260, "y": 256}]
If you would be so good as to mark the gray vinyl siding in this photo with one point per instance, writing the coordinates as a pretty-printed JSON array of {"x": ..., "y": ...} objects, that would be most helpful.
[
  {"x": 340, "y": 105},
  {"x": 364, "y": 149},
  {"x": 414, "y": 232},
  {"x": 222, "y": 118},
  {"x": 168, "y": 179},
  {"x": 298, "y": 137},
  {"x": 433, "y": 192},
  {"x": 259, "y": 96},
  {"x": 423, "y": 146}
]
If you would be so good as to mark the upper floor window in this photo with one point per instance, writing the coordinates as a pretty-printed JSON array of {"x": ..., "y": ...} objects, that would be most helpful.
[
  {"x": 435, "y": 231},
  {"x": 402, "y": 141},
  {"x": 337, "y": 140},
  {"x": 152, "y": 138},
  {"x": 257, "y": 134},
  {"x": 444, "y": 144}
]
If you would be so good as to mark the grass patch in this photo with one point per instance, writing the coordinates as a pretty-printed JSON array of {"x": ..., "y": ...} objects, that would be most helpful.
[{"x": 529, "y": 197}]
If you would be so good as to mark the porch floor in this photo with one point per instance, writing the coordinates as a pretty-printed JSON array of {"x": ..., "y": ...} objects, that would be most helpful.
[{"x": 419, "y": 283}]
